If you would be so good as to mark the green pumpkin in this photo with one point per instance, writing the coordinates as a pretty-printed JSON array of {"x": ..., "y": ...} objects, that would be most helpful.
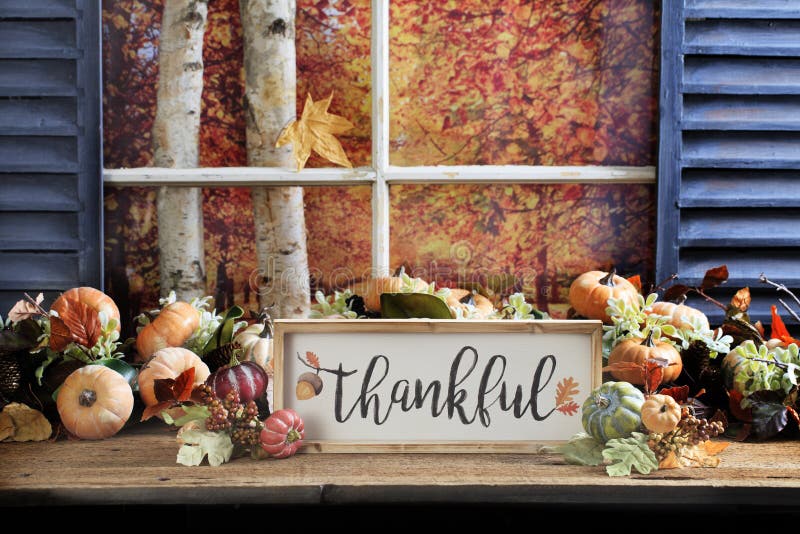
[{"x": 614, "y": 410}]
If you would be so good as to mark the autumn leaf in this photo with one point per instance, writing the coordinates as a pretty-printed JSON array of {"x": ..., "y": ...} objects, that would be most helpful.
[
  {"x": 171, "y": 392},
  {"x": 60, "y": 336},
  {"x": 679, "y": 393},
  {"x": 636, "y": 280},
  {"x": 714, "y": 277},
  {"x": 24, "y": 309},
  {"x": 83, "y": 323},
  {"x": 315, "y": 130},
  {"x": 566, "y": 391},
  {"x": 676, "y": 293},
  {"x": 312, "y": 359},
  {"x": 779, "y": 330},
  {"x": 570, "y": 408},
  {"x": 741, "y": 300}
]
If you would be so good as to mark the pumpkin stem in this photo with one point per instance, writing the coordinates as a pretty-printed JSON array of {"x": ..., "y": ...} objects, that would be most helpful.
[
  {"x": 292, "y": 436},
  {"x": 266, "y": 320},
  {"x": 87, "y": 398},
  {"x": 608, "y": 280},
  {"x": 601, "y": 401},
  {"x": 648, "y": 341}
]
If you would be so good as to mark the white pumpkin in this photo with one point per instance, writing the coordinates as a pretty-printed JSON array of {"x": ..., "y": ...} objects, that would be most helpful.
[{"x": 256, "y": 343}]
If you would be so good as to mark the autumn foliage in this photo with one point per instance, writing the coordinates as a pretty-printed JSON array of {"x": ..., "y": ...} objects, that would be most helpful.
[{"x": 550, "y": 83}]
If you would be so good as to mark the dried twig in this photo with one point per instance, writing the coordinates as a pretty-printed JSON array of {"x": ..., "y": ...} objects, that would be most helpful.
[{"x": 782, "y": 288}]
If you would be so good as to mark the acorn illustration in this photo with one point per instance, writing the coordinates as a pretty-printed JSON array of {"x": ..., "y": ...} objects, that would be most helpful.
[{"x": 309, "y": 385}]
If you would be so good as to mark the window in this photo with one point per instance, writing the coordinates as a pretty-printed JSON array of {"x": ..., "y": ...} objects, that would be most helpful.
[{"x": 501, "y": 138}]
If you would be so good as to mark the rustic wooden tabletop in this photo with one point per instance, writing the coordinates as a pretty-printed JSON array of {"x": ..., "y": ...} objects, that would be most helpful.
[{"x": 138, "y": 467}]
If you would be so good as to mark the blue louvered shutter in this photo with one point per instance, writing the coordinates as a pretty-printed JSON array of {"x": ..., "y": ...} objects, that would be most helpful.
[
  {"x": 50, "y": 157},
  {"x": 729, "y": 161}
]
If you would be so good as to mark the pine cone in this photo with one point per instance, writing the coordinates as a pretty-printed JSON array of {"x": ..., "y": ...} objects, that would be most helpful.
[
  {"x": 220, "y": 356},
  {"x": 12, "y": 374}
]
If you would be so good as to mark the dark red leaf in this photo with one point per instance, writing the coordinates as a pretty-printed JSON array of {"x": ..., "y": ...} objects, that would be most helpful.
[
  {"x": 735, "y": 406},
  {"x": 164, "y": 389},
  {"x": 184, "y": 385},
  {"x": 60, "y": 335},
  {"x": 676, "y": 293},
  {"x": 714, "y": 277},
  {"x": 622, "y": 366},
  {"x": 653, "y": 378},
  {"x": 679, "y": 393}
]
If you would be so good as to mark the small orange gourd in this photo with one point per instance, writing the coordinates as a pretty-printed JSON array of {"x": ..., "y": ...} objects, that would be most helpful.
[
  {"x": 661, "y": 413},
  {"x": 94, "y": 402},
  {"x": 638, "y": 351},
  {"x": 171, "y": 328},
  {"x": 94, "y": 298},
  {"x": 676, "y": 313},
  {"x": 457, "y": 298},
  {"x": 388, "y": 284},
  {"x": 589, "y": 293},
  {"x": 169, "y": 363}
]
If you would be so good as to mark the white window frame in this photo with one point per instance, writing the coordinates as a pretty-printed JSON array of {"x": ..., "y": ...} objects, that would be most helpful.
[{"x": 382, "y": 174}]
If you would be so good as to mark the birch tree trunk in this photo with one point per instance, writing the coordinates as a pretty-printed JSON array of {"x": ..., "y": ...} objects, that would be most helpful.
[
  {"x": 175, "y": 143},
  {"x": 270, "y": 100}
]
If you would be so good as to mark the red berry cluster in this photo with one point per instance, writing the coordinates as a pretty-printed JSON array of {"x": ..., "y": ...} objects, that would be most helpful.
[{"x": 230, "y": 415}]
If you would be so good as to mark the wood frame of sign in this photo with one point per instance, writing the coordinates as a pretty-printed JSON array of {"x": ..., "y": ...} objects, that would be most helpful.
[{"x": 435, "y": 385}]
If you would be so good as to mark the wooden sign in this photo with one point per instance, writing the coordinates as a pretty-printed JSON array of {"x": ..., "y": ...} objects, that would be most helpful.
[{"x": 435, "y": 385}]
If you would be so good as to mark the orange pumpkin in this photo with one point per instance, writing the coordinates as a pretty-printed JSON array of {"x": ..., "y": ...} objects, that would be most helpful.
[
  {"x": 589, "y": 293},
  {"x": 94, "y": 402},
  {"x": 94, "y": 298},
  {"x": 638, "y": 351},
  {"x": 171, "y": 328},
  {"x": 457, "y": 298},
  {"x": 169, "y": 363},
  {"x": 675, "y": 313},
  {"x": 388, "y": 284}
]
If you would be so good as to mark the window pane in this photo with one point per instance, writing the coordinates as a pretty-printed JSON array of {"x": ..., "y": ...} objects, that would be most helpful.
[
  {"x": 572, "y": 82},
  {"x": 338, "y": 219},
  {"x": 332, "y": 40},
  {"x": 544, "y": 235}
]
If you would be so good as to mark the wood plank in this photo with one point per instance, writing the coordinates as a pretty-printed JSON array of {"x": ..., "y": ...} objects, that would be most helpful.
[
  {"x": 728, "y": 75},
  {"x": 38, "y": 9},
  {"x": 724, "y": 112},
  {"x": 38, "y": 116},
  {"x": 38, "y": 39},
  {"x": 743, "y": 37},
  {"x": 762, "y": 150},
  {"x": 718, "y": 188},
  {"x": 729, "y": 9},
  {"x": 138, "y": 467},
  {"x": 737, "y": 228}
]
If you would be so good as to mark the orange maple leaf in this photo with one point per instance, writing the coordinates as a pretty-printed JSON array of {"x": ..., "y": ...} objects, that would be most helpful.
[
  {"x": 566, "y": 391},
  {"x": 312, "y": 359},
  {"x": 779, "y": 330}
]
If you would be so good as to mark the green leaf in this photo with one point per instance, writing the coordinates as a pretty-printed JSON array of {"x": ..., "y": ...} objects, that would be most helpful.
[
  {"x": 629, "y": 453},
  {"x": 413, "y": 306},
  {"x": 192, "y": 413},
  {"x": 225, "y": 331},
  {"x": 51, "y": 357},
  {"x": 122, "y": 367},
  {"x": 581, "y": 449},
  {"x": 201, "y": 443}
]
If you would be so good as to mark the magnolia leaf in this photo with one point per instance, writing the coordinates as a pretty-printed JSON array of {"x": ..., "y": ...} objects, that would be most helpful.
[
  {"x": 29, "y": 424},
  {"x": 60, "y": 336},
  {"x": 216, "y": 445},
  {"x": 413, "y": 306},
  {"x": 225, "y": 331},
  {"x": 714, "y": 277},
  {"x": 23, "y": 310},
  {"x": 581, "y": 449},
  {"x": 629, "y": 453},
  {"x": 315, "y": 130},
  {"x": 741, "y": 300},
  {"x": 122, "y": 367}
]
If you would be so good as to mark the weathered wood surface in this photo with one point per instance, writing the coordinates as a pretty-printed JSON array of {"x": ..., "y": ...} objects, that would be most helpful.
[{"x": 138, "y": 467}]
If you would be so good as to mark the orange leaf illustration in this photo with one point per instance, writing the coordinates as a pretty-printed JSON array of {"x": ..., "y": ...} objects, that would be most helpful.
[
  {"x": 570, "y": 408},
  {"x": 566, "y": 391},
  {"x": 312, "y": 359}
]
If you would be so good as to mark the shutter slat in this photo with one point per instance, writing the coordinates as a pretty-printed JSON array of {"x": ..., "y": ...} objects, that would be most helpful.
[
  {"x": 47, "y": 116},
  {"x": 43, "y": 270},
  {"x": 38, "y": 9},
  {"x": 756, "y": 76},
  {"x": 39, "y": 192},
  {"x": 38, "y": 39},
  {"x": 39, "y": 231},
  {"x": 37, "y": 77},
  {"x": 743, "y": 37},
  {"x": 713, "y": 188},
  {"x": 38, "y": 154},
  {"x": 759, "y": 150},
  {"x": 723, "y": 112},
  {"x": 729, "y": 161}
]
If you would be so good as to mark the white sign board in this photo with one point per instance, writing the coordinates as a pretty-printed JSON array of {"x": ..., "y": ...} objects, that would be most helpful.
[{"x": 482, "y": 386}]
